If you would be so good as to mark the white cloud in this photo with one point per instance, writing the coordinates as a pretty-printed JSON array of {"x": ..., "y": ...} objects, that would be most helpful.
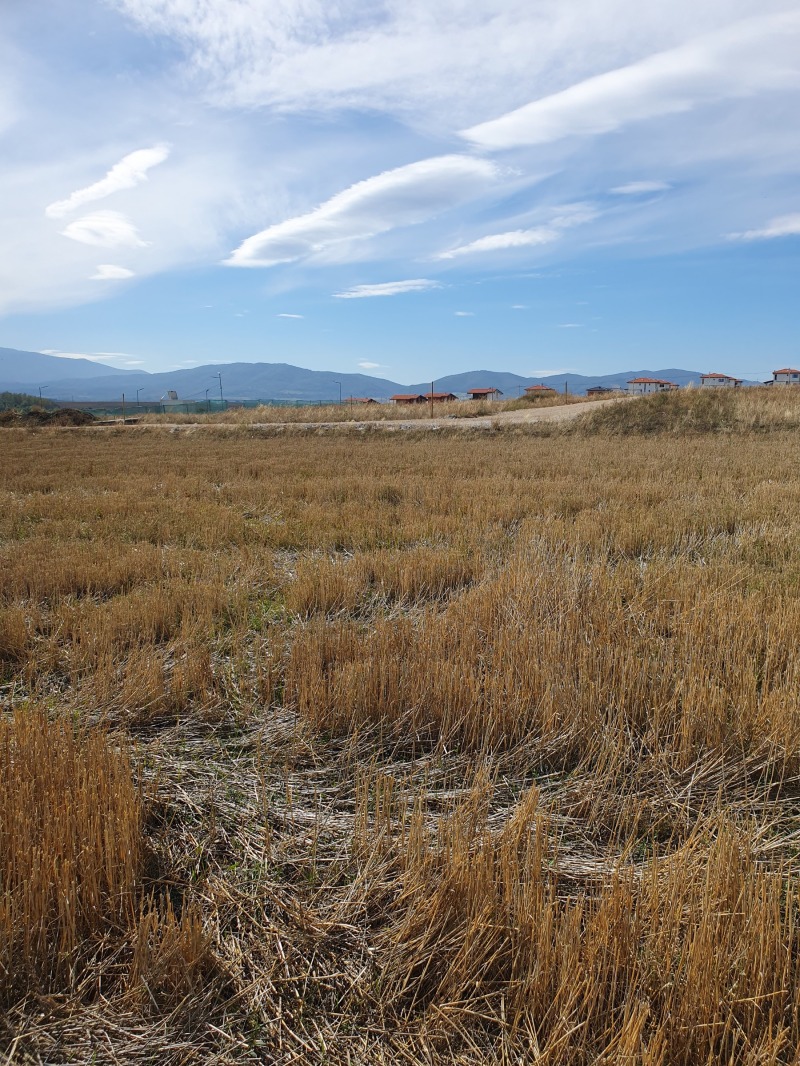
[
  {"x": 751, "y": 56},
  {"x": 130, "y": 171},
  {"x": 399, "y": 197},
  {"x": 519, "y": 307},
  {"x": 570, "y": 325},
  {"x": 464, "y": 314},
  {"x": 641, "y": 188},
  {"x": 518, "y": 238},
  {"x": 784, "y": 226},
  {"x": 564, "y": 218},
  {"x": 105, "y": 229},
  {"x": 366, "y": 365},
  {"x": 388, "y": 288},
  {"x": 109, "y": 272},
  {"x": 284, "y": 314}
]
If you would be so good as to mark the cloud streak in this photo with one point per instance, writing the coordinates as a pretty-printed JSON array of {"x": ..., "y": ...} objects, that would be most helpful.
[
  {"x": 129, "y": 172},
  {"x": 388, "y": 288},
  {"x": 751, "y": 56},
  {"x": 110, "y": 272},
  {"x": 566, "y": 217},
  {"x": 401, "y": 197},
  {"x": 784, "y": 226}
]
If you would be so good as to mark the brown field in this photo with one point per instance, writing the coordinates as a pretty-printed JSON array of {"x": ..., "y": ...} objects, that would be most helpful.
[{"x": 358, "y": 749}]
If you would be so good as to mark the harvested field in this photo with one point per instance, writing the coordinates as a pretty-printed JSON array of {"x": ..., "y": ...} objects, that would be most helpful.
[{"x": 427, "y": 748}]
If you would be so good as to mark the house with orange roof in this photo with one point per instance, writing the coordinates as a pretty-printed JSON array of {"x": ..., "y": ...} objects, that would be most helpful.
[
  {"x": 643, "y": 386},
  {"x": 540, "y": 390},
  {"x": 483, "y": 394},
  {"x": 719, "y": 381},
  {"x": 787, "y": 376}
]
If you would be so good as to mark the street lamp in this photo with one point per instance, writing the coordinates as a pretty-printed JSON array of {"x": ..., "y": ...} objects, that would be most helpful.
[
  {"x": 208, "y": 402},
  {"x": 340, "y": 391},
  {"x": 40, "y": 389},
  {"x": 137, "y": 395}
]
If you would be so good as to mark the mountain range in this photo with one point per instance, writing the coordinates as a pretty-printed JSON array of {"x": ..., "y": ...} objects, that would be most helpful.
[{"x": 83, "y": 379}]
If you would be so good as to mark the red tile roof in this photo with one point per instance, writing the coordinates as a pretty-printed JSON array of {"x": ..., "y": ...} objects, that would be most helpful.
[
  {"x": 439, "y": 396},
  {"x": 484, "y": 392},
  {"x": 540, "y": 388},
  {"x": 786, "y": 370},
  {"x": 720, "y": 377},
  {"x": 408, "y": 396},
  {"x": 651, "y": 381}
]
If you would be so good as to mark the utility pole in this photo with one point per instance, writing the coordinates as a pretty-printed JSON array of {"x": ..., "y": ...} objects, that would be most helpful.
[
  {"x": 340, "y": 391},
  {"x": 208, "y": 402},
  {"x": 432, "y": 384},
  {"x": 221, "y": 398},
  {"x": 123, "y": 408}
]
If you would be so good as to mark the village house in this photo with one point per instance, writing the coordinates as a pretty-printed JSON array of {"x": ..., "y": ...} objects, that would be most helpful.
[
  {"x": 719, "y": 381},
  {"x": 540, "y": 390},
  {"x": 643, "y": 386},
  {"x": 483, "y": 394},
  {"x": 359, "y": 399},
  {"x": 787, "y": 376},
  {"x": 599, "y": 391},
  {"x": 408, "y": 397},
  {"x": 439, "y": 397}
]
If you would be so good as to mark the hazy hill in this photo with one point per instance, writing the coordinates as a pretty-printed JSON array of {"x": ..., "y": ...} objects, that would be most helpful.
[
  {"x": 35, "y": 369},
  {"x": 80, "y": 379}
]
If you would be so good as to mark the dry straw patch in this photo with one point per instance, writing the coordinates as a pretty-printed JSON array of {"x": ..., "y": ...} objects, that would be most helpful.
[{"x": 450, "y": 749}]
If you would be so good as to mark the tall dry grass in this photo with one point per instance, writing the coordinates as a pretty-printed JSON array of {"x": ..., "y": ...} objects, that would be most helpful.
[
  {"x": 70, "y": 849},
  {"x": 455, "y": 749}
]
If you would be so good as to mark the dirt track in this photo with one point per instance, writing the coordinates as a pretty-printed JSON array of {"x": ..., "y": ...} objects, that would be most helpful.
[{"x": 561, "y": 413}]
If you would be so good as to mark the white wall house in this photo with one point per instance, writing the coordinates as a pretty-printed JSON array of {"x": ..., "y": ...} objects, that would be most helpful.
[
  {"x": 642, "y": 386},
  {"x": 787, "y": 376},
  {"x": 720, "y": 381}
]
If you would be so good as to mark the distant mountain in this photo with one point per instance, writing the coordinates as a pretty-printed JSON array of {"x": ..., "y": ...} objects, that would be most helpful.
[
  {"x": 80, "y": 379},
  {"x": 35, "y": 368}
]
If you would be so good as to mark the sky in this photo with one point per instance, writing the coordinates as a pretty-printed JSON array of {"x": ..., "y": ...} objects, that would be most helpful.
[{"x": 407, "y": 188}]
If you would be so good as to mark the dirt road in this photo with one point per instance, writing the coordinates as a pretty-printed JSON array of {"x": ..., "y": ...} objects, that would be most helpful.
[{"x": 561, "y": 413}]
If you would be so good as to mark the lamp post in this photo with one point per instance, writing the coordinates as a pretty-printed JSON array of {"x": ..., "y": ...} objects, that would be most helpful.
[
  {"x": 221, "y": 397},
  {"x": 40, "y": 389},
  {"x": 208, "y": 402},
  {"x": 138, "y": 405},
  {"x": 340, "y": 391}
]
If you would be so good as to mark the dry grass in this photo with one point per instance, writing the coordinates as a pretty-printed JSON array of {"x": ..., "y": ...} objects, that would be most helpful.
[{"x": 423, "y": 749}]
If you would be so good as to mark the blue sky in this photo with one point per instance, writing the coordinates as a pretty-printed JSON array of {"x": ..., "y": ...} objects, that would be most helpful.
[{"x": 408, "y": 188}]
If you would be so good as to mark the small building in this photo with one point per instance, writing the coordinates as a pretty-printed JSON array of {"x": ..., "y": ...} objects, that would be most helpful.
[
  {"x": 408, "y": 397},
  {"x": 644, "y": 386},
  {"x": 601, "y": 391},
  {"x": 540, "y": 390},
  {"x": 787, "y": 376},
  {"x": 483, "y": 394},
  {"x": 439, "y": 397},
  {"x": 359, "y": 399},
  {"x": 719, "y": 381}
]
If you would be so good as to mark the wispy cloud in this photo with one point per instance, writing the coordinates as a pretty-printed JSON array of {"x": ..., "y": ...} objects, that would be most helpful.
[
  {"x": 110, "y": 272},
  {"x": 130, "y": 171},
  {"x": 388, "y": 288},
  {"x": 564, "y": 218},
  {"x": 750, "y": 56},
  {"x": 519, "y": 307},
  {"x": 570, "y": 325},
  {"x": 784, "y": 226},
  {"x": 399, "y": 197},
  {"x": 104, "y": 229},
  {"x": 285, "y": 314},
  {"x": 365, "y": 364},
  {"x": 641, "y": 188},
  {"x": 464, "y": 314}
]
